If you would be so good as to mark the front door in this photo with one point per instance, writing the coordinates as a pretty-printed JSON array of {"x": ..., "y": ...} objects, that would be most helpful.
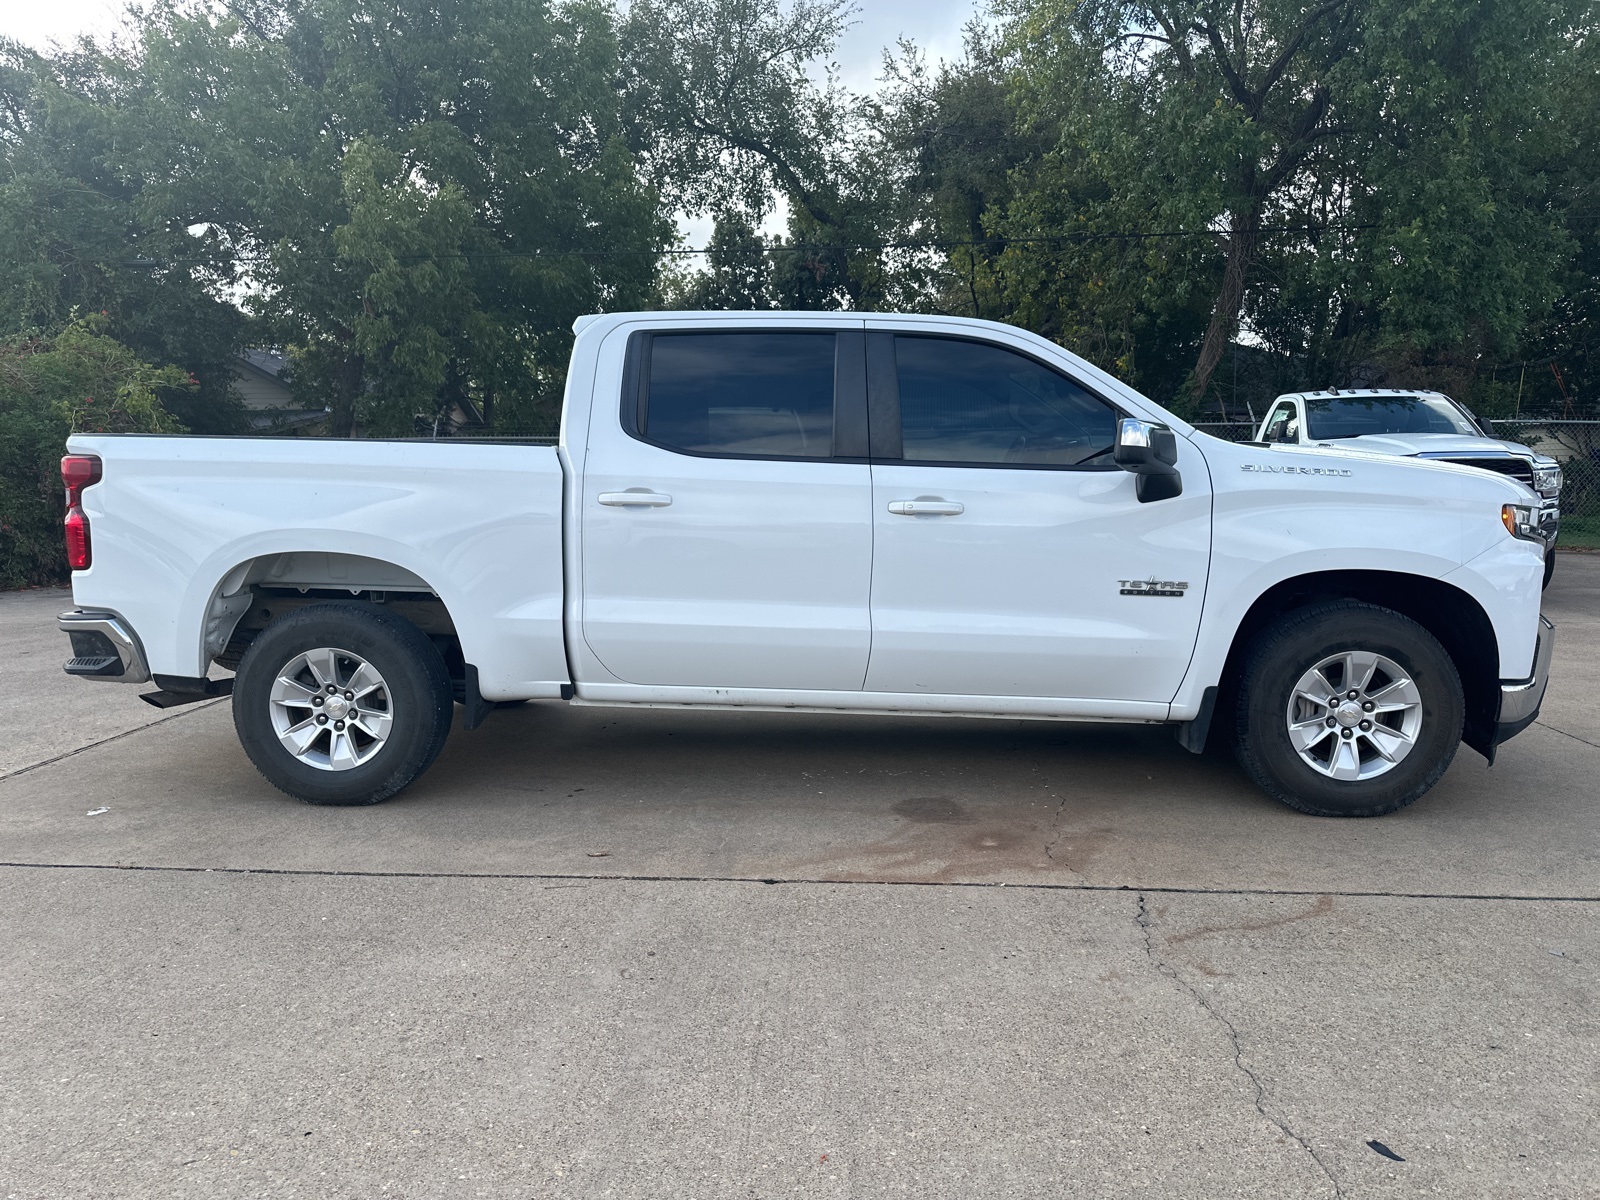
[
  {"x": 727, "y": 542},
  {"x": 1012, "y": 557}
]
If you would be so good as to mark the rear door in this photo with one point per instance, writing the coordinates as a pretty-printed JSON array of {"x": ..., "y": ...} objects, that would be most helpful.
[
  {"x": 1012, "y": 558},
  {"x": 726, "y": 511}
]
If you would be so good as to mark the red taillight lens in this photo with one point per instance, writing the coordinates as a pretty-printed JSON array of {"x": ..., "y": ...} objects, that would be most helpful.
[
  {"x": 77, "y": 526},
  {"x": 78, "y": 471}
]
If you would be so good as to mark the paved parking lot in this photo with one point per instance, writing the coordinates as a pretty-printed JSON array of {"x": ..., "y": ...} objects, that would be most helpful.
[{"x": 608, "y": 953}]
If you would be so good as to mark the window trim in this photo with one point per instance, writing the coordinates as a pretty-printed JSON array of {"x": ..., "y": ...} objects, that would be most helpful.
[
  {"x": 883, "y": 403},
  {"x": 849, "y": 393}
]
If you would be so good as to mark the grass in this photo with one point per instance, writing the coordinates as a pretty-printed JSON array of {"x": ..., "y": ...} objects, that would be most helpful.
[{"x": 1580, "y": 533}]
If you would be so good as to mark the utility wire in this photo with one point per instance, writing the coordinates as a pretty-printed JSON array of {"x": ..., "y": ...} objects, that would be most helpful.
[{"x": 828, "y": 247}]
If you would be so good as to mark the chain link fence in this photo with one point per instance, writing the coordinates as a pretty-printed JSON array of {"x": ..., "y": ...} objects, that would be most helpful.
[{"x": 1576, "y": 446}]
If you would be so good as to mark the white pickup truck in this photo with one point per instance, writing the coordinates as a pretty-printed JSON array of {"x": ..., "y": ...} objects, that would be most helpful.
[
  {"x": 1416, "y": 424},
  {"x": 820, "y": 513}
]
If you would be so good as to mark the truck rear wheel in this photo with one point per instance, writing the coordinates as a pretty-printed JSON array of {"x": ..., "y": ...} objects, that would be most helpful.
[
  {"x": 342, "y": 703},
  {"x": 1347, "y": 709}
]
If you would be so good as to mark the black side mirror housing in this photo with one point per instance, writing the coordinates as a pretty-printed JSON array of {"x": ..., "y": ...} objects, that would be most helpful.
[{"x": 1149, "y": 451}]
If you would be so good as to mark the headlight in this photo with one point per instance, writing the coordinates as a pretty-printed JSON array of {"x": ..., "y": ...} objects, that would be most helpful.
[
  {"x": 1521, "y": 521},
  {"x": 1547, "y": 480}
]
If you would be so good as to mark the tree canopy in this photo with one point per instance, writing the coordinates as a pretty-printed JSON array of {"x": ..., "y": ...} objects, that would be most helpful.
[{"x": 1217, "y": 199}]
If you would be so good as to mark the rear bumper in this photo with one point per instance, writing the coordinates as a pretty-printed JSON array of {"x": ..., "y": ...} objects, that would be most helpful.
[
  {"x": 1520, "y": 701},
  {"x": 104, "y": 646}
]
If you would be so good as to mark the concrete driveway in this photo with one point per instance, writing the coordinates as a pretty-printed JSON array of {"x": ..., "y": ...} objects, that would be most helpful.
[{"x": 606, "y": 953}]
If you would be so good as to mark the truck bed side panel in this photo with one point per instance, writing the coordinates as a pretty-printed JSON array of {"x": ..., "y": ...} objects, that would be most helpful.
[{"x": 480, "y": 524}]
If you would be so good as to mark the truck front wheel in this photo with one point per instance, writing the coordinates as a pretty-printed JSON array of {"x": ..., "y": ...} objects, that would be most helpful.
[
  {"x": 342, "y": 703},
  {"x": 1347, "y": 709}
]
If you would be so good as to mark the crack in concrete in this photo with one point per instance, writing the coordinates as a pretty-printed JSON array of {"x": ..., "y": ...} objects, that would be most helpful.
[
  {"x": 1055, "y": 836},
  {"x": 1564, "y": 733},
  {"x": 796, "y": 881},
  {"x": 173, "y": 716},
  {"x": 1142, "y": 920}
]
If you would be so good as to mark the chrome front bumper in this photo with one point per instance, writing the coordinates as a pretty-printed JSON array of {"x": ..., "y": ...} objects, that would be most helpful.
[
  {"x": 1550, "y": 520},
  {"x": 104, "y": 646},
  {"x": 1519, "y": 702}
]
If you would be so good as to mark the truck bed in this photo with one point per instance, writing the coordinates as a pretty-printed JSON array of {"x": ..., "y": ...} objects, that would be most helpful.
[{"x": 180, "y": 524}]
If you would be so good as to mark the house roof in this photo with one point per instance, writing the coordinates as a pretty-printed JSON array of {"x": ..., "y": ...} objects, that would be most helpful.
[{"x": 268, "y": 362}]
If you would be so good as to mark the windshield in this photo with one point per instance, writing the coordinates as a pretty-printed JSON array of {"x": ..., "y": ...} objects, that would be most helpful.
[{"x": 1330, "y": 417}]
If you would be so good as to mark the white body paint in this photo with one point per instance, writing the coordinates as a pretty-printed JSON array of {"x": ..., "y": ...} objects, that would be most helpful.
[{"x": 792, "y": 584}]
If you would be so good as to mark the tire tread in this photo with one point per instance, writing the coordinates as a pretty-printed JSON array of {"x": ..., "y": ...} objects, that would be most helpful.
[
  {"x": 1273, "y": 641},
  {"x": 262, "y": 746}
]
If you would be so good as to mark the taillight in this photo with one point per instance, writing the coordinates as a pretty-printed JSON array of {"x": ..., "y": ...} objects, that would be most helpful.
[
  {"x": 77, "y": 539},
  {"x": 78, "y": 471}
]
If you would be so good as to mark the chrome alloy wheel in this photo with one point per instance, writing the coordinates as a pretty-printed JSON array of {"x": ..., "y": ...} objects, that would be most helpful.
[
  {"x": 331, "y": 709},
  {"x": 1354, "y": 715}
]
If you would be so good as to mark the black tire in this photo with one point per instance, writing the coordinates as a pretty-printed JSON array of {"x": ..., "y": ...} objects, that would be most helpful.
[
  {"x": 1549, "y": 565},
  {"x": 1296, "y": 643},
  {"x": 417, "y": 688}
]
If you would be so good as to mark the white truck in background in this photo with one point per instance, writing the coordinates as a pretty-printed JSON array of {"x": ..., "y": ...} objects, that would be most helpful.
[
  {"x": 1416, "y": 424},
  {"x": 820, "y": 512}
]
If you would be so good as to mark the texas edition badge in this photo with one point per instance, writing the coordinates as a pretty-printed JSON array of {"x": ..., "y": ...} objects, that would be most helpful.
[{"x": 1152, "y": 587}]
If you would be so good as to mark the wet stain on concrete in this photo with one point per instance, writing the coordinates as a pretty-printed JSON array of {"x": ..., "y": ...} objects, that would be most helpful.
[
  {"x": 932, "y": 810},
  {"x": 944, "y": 843},
  {"x": 1320, "y": 907}
]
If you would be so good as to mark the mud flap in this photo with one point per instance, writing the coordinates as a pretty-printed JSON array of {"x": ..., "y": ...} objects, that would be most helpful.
[
  {"x": 1192, "y": 734},
  {"x": 182, "y": 689}
]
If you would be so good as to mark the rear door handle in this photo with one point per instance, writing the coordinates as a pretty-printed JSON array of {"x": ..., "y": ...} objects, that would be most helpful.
[
  {"x": 927, "y": 507},
  {"x": 635, "y": 499}
]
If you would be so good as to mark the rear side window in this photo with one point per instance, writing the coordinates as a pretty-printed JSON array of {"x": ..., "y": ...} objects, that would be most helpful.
[
  {"x": 744, "y": 394},
  {"x": 969, "y": 402}
]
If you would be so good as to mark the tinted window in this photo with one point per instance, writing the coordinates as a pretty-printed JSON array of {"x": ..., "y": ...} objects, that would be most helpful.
[
  {"x": 1329, "y": 417},
  {"x": 1284, "y": 426},
  {"x": 973, "y": 403},
  {"x": 742, "y": 393}
]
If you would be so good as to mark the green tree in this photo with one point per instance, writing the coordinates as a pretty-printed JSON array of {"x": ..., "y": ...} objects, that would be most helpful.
[
  {"x": 1406, "y": 140},
  {"x": 77, "y": 380},
  {"x": 727, "y": 117},
  {"x": 738, "y": 270},
  {"x": 80, "y": 231},
  {"x": 422, "y": 198}
]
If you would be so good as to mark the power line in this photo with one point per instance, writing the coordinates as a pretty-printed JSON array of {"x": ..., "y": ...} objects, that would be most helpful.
[{"x": 997, "y": 242}]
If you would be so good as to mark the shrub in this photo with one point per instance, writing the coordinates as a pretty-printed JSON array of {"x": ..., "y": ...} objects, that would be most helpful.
[{"x": 75, "y": 380}]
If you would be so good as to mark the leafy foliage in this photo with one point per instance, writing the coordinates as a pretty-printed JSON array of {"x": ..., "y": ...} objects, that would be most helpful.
[
  {"x": 1357, "y": 182},
  {"x": 78, "y": 380},
  {"x": 423, "y": 196},
  {"x": 81, "y": 230},
  {"x": 1217, "y": 199}
]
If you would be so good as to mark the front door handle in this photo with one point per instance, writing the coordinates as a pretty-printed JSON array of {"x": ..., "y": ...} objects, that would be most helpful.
[
  {"x": 927, "y": 506},
  {"x": 635, "y": 499}
]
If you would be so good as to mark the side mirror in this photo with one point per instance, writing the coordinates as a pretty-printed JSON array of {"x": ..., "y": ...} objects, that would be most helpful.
[{"x": 1149, "y": 451}]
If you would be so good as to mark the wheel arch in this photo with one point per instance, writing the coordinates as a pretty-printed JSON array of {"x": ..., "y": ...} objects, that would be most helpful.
[
  {"x": 1449, "y": 613},
  {"x": 298, "y": 577}
]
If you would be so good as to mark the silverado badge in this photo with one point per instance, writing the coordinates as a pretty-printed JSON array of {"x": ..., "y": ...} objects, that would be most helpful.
[{"x": 1276, "y": 469}]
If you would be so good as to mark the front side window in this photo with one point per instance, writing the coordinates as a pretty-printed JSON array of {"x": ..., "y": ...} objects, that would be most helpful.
[
  {"x": 970, "y": 402},
  {"x": 1284, "y": 425},
  {"x": 745, "y": 394}
]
